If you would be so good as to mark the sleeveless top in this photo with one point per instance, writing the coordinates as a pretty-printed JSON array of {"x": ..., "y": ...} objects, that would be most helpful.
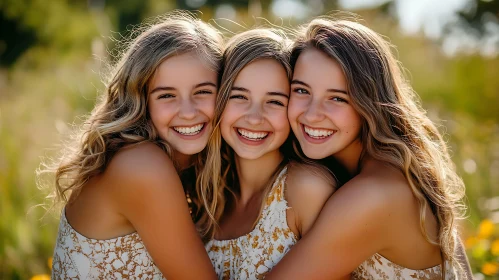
[
  {"x": 254, "y": 254},
  {"x": 78, "y": 257},
  {"x": 378, "y": 267}
]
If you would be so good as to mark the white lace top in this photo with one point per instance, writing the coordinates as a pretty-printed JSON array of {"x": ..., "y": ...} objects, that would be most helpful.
[
  {"x": 78, "y": 257},
  {"x": 254, "y": 254},
  {"x": 378, "y": 267}
]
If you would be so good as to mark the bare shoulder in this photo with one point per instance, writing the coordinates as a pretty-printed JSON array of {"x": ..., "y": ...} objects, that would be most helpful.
[
  {"x": 308, "y": 187},
  {"x": 139, "y": 158},
  {"x": 378, "y": 193},
  {"x": 309, "y": 178},
  {"x": 144, "y": 162},
  {"x": 381, "y": 183},
  {"x": 308, "y": 182},
  {"x": 142, "y": 170}
]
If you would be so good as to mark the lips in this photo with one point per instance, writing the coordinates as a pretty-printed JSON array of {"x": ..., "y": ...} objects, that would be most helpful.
[
  {"x": 317, "y": 133},
  {"x": 252, "y": 135},
  {"x": 189, "y": 130}
]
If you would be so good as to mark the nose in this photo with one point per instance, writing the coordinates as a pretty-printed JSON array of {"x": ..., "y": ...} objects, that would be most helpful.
[
  {"x": 314, "y": 112},
  {"x": 187, "y": 109},
  {"x": 255, "y": 115}
]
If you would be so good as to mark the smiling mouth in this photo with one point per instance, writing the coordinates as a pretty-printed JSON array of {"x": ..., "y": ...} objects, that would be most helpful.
[
  {"x": 189, "y": 130},
  {"x": 318, "y": 133},
  {"x": 252, "y": 136}
]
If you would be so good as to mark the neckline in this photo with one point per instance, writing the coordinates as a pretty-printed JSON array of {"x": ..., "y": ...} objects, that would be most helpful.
[
  {"x": 65, "y": 221},
  {"x": 405, "y": 268},
  {"x": 246, "y": 236}
]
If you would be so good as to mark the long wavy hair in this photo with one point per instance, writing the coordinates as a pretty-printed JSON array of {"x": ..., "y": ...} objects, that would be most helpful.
[
  {"x": 218, "y": 181},
  {"x": 120, "y": 116},
  {"x": 395, "y": 128}
]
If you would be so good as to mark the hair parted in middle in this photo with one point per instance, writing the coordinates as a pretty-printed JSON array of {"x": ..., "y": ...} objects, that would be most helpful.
[
  {"x": 395, "y": 129},
  {"x": 120, "y": 116},
  {"x": 218, "y": 180}
]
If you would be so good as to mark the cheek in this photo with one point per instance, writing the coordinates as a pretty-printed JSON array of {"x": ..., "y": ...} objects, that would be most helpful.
[
  {"x": 357, "y": 126},
  {"x": 350, "y": 120},
  {"x": 207, "y": 106},
  {"x": 229, "y": 116},
  {"x": 159, "y": 113},
  {"x": 225, "y": 128},
  {"x": 295, "y": 108},
  {"x": 282, "y": 127},
  {"x": 280, "y": 121}
]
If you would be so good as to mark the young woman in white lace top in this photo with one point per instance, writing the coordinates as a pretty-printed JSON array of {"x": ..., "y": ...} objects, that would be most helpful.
[
  {"x": 265, "y": 202},
  {"x": 126, "y": 214},
  {"x": 396, "y": 218}
]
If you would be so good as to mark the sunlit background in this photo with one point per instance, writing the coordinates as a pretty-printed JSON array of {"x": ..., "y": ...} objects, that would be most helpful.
[{"x": 53, "y": 54}]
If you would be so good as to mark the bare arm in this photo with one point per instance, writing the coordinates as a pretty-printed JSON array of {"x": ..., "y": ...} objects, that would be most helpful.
[
  {"x": 149, "y": 194},
  {"x": 307, "y": 190},
  {"x": 331, "y": 252}
]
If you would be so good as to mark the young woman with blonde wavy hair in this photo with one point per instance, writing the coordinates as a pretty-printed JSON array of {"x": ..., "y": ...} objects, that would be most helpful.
[
  {"x": 126, "y": 213},
  {"x": 265, "y": 200},
  {"x": 396, "y": 217}
]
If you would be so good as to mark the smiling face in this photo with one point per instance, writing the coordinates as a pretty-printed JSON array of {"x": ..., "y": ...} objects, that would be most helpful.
[
  {"x": 182, "y": 102},
  {"x": 320, "y": 110},
  {"x": 254, "y": 122}
]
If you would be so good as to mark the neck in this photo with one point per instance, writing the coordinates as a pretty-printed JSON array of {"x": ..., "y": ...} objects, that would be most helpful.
[
  {"x": 183, "y": 161},
  {"x": 350, "y": 157},
  {"x": 254, "y": 174}
]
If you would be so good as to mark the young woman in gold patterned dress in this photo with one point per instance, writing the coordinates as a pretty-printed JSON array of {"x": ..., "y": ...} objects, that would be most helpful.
[
  {"x": 265, "y": 201},
  {"x": 125, "y": 214},
  {"x": 396, "y": 218}
]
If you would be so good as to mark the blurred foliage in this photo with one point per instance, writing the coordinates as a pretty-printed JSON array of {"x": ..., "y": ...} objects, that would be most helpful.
[
  {"x": 477, "y": 13},
  {"x": 53, "y": 57},
  {"x": 483, "y": 246}
]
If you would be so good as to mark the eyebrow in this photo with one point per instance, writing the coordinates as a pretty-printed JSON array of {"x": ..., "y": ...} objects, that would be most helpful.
[
  {"x": 277, "y": 93},
  {"x": 172, "y": 88},
  {"x": 298, "y": 82},
  {"x": 271, "y": 93},
  {"x": 240, "y": 89}
]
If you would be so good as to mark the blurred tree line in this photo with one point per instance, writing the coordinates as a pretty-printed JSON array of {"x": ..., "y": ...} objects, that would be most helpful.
[
  {"x": 29, "y": 22},
  {"x": 53, "y": 56}
]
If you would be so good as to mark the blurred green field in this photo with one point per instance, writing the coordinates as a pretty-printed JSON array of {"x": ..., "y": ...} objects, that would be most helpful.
[{"x": 52, "y": 76}]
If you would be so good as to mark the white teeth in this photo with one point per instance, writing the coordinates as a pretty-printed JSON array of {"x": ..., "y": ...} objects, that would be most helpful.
[
  {"x": 189, "y": 130},
  {"x": 318, "y": 133},
  {"x": 252, "y": 135}
]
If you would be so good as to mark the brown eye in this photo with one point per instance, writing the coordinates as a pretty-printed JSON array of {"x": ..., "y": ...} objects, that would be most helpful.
[
  {"x": 237, "y": 96},
  {"x": 300, "y": 91},
  {"x": 165, "y": 95},
  {"x": 204, "y": 92},
  {"x": 277, "y": 102},
  {"x": 339, "y": 99}
]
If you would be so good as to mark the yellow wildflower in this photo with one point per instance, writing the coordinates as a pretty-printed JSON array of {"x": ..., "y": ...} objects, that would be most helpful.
[
  {"x": 490, "y": 268},
  {"x": 49, "y": 262},
  {"x": 486, "y": 229},
  {"x": 40, "y": 277},
  {"x": 494, "y": 248},
  {"x": 470, "y": 242}
]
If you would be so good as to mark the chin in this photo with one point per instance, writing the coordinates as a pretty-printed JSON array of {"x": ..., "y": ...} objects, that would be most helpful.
[
  {"x": 315, "y": 154},
  {"x": 190, "y": 150},
  {"x": 248, "y": 156}
]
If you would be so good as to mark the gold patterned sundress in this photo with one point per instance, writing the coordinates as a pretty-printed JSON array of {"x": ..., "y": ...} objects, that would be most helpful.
[
  {"x": 253, "y": 255},
  {"x": 379, "y": 268},
  {"x": 78, "y": 257}
]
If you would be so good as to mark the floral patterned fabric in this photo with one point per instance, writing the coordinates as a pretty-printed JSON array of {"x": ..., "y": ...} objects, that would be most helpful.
[
  {"x": 253, "y": 255},
  {"x": 78, "y": 257},
  {"x": 378, "y": 267}
]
